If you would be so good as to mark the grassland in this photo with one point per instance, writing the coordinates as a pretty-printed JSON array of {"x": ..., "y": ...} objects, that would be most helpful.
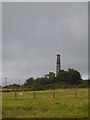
[{"x": 64, "y": 105}]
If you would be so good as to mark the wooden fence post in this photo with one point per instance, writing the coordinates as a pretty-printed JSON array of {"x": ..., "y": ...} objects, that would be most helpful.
[
  {"x": 75, "y": 94},
  {"x": 53, "y": 94},
  {"x": 15, "y": 95},
  {"x": 34, "y": 95}
]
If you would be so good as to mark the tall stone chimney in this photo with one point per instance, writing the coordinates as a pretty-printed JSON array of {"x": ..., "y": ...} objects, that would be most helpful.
[{"x": 58, "y": 67}]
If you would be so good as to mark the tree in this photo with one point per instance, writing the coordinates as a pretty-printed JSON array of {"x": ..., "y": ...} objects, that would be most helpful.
[
  {"x": 72, "y": 76},
  {"x": 29, "y": 82},
  {"x": 62, "y": 76}
]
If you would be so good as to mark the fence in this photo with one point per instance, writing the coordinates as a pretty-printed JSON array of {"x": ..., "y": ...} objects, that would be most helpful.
[{"x": 43, "y": 94}]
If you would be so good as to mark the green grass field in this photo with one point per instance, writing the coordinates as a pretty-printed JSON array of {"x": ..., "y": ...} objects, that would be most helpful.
[{"x": 64, "y": 105}]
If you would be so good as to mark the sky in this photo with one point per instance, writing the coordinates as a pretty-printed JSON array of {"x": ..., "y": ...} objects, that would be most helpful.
[
  {"x": 45, "y": 0},
  {"x": 34, "y": 33},
  {"x": 0, "y": 43}
]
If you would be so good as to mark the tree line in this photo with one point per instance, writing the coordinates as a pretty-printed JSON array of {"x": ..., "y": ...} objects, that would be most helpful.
[{"x": 50, "y": 81}]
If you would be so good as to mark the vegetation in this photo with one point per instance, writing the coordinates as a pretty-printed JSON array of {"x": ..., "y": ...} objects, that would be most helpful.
[
  {"x": 64, "y": 79},
  {"x": 72, "y": 76},
  {"x": 29, "y": 101},
  {"x": 66, "y": 104}
]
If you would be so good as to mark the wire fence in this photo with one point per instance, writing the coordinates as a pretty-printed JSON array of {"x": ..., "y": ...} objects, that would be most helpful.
[{"x": 54, "y": 94}]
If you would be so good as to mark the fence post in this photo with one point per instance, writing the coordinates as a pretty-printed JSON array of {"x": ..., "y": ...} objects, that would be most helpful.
[
  {"x": 34, "y": 95},
  {"x": 15, "y": 95},
  {"x": 53, "y": 94},
  {"x": 75, "y": 94}
]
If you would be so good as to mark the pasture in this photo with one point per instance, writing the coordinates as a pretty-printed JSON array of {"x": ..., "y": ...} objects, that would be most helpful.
[{"x": 67, "y": 103}]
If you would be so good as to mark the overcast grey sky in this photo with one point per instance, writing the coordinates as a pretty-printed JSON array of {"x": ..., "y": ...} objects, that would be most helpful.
[
  {"x": 0, "y": 43},
  {"x": 33, "y": 34}
]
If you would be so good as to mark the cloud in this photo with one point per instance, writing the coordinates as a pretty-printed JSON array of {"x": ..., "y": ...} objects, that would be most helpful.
[{"x": 33, "y": 34}]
